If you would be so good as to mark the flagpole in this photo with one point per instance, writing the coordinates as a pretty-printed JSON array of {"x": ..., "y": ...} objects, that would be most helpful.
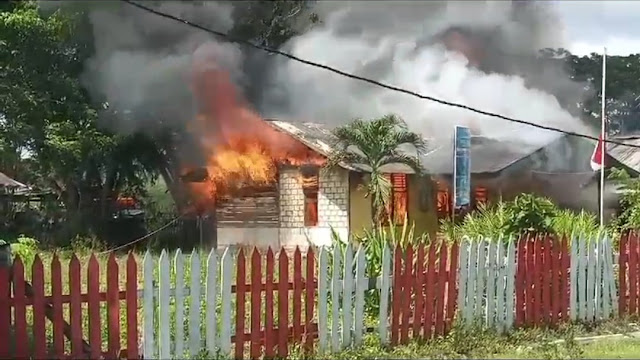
[{"x": 603, "y": 137}]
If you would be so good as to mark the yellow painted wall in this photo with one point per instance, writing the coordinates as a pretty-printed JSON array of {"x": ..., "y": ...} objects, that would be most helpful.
[{"x": 360, "y": 208}]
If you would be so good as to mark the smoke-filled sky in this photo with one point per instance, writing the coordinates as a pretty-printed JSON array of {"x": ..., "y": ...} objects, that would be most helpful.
[{"x": 144, "y": 62}]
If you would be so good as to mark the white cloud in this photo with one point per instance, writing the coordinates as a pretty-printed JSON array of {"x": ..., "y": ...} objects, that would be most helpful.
[
  {"x": 616, "y": 45},
  {"x": 592, "y": 25}
]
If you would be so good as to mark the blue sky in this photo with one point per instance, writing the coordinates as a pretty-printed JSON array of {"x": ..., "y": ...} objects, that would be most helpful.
[{"x": 591, "y": 25}]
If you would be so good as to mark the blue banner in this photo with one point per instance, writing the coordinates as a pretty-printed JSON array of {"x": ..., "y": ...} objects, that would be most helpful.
[{"x": 462, "y": 167}]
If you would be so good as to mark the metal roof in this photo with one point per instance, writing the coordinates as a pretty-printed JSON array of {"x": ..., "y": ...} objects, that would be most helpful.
[
  {"x": 488, "y": 155},
  {"x": 7, "y": 182},
  {"x": 626, "y": 155}
]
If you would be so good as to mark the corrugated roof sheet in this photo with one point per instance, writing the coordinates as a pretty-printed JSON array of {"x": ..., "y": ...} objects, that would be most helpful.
[
  {"x": 626, "y": 155},
  {"x": 8, "y": 182},
  {"x": 488, "y": 155}
]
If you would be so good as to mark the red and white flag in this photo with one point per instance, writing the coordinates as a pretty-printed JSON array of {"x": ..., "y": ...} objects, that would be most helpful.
[{"x": 596, "y": 158}]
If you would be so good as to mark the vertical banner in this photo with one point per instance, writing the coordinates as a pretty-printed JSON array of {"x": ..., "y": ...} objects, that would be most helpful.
[{"x": 462, "y": 167}]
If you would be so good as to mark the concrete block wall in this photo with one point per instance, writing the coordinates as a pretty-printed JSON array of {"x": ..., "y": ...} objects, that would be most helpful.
[
  {"x": 333, "y": 199},
  {"x": 333, "y": 209},
  {"x": 291, "y": 199}
]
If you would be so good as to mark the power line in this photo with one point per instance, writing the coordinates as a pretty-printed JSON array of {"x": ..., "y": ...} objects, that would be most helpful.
[
  {"x": 142, "y": 237},
  {"x": 367, "y": 80}
]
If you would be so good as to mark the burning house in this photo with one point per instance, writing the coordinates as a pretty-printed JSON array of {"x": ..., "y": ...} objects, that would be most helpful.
[{"x": 303, "y": 203}]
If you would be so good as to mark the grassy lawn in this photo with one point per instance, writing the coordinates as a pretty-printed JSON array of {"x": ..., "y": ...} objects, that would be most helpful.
[
  {"x": 521, "y": 344},
  {"x": 603, "y": 349}
]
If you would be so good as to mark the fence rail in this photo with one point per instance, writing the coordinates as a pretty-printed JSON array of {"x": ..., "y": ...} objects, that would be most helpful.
[{"x": 255, "y": 304}]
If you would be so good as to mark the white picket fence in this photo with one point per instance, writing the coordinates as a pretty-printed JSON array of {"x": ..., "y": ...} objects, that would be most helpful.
[
  {"x": 486, "y": 283},
  {"x": 170, "y": 309},
  {"x": 594, "y": 294},
  {"x": 182, "y": 318}
]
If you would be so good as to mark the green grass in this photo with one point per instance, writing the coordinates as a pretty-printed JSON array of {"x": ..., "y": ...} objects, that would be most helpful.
[{"x": 478, "y": 343}]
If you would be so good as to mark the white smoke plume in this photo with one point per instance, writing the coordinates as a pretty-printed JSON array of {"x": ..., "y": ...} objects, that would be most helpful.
[{"x": 392, "y": 42}]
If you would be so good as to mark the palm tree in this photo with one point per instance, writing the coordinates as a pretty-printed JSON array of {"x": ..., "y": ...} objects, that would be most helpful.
[{"x": 372, "y": 145}]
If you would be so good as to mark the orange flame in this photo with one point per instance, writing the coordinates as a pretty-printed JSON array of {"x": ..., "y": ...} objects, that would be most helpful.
[{"x": 241, "y": 149}]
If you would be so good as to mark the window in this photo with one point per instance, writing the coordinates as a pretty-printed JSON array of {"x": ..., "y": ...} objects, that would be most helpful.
[
  {"x": 480, "y": 196},
  {"x": 397, "y": 208},
  {"x": 310, "y": 190}
]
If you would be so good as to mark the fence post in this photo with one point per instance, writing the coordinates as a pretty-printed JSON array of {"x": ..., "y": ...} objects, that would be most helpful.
[
  {"x": 164, "y": 285},
  {"x": 361, "y": 287},
  {"x": 385, "y": 286},
  {"x": 463, "y": 271},
  {"x": 132, "y": 307},
  {"x": 5, "y": 295},
  {"x": 148, "y": 306},
  {"x": 212, "y": 300},
  {"x": 227, "y": 276},
  {"x": 178, "y": 263},
  {"x": 510, "y": 297},
  {"x": 336, "y": 287},
  {"x": 501, "y": 293},
  {"x": 322, "y": 300},
  {"x": 491, "y": 291},
  {"x": 347, "y": 317}
]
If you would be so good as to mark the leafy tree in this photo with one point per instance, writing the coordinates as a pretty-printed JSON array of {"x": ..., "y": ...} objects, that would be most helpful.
[
  {"x": 46, "y": 112},
  {"x": 629, "y": 216},
  {"x": 372, "y": 145}
]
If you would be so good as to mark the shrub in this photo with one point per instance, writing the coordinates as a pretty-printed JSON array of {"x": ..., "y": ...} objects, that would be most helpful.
[
  {"x": 26, "y": 248},
  {"x": 527, "y": 213}
]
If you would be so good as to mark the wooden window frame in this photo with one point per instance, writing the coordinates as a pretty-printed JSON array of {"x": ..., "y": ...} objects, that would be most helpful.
[
  {"x": 310, "y": 199},
  {"x": 391, "y": 211}
]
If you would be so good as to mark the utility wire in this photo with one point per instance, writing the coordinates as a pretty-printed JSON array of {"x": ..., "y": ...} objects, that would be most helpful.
[
  {"x": 367, "y": 80},
  {"x": 142, "y": 237}
]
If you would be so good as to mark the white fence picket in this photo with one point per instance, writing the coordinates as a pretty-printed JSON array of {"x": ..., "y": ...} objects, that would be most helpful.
[
  {"x": 592, "y": 261},
  {"x": 604, "y": 279},
  {"x": 491, "y": 291},
  {"x": 347, "y": 298},
  {"x": 164, "y": 286},
  {"x": 322, "y": 300},
  {"x": 501, "y": 274},
  {"x": 510, "y": 294},
  {"x": 179, "y": 301},
  {"x": 361, "y": 287},
  {"x": 613, "y": 290},
  {"x": 227, "y": 279},
  {"x": 212, "y": 298},
  {"x": 336, "y": 286},
  {"x": 598, "y": 288},
  {"x": 471, "y": 283},
  {"x": 148, "y": 340},
  {"x": 385, "y": 287},
  {"x": 195, "y": 344},
  {"x": 573, "y": 279},
  {"x": 481, "y": 273},
  {"x": 463, "y": 277},
  {"x": 582, "y": 279}
]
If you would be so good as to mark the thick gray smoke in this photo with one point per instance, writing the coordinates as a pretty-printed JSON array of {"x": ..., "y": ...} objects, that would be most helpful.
[
  {"x": 393, "y": 42},
  {"x": 143, "y": 63}
]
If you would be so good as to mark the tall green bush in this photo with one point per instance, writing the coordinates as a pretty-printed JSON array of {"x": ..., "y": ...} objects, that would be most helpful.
[{"x": 527, "y": 213}]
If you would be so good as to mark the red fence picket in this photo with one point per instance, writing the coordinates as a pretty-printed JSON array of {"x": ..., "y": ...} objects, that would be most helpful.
[
  {"x": 48, "y": 308},
  {"x": 629, "y": 274},
  {"x": 424, "y": 292},
  {"x": 542, "y": 288},
  {"x": 273, "y": 336}
]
